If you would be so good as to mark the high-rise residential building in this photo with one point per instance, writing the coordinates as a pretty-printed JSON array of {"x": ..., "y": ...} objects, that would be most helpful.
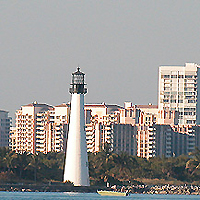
[
  {"x": 40, "y": 128},
  {"x": 59, "y": 121},
  {"x": 125, "y": 138},
  {"x": 100, "y": 119},
  {"x": 12, "y": 139},
  {"x": 178, "y": 90},
  {"x": 31, "y": 127},
  {"x": 103, "y": 127},
  {"x": 102, "y": 109},
  {"x": 42, "y": 132},
  {"x": 196, "y": 132},
  {"x": 129, "y": 128},
  {"x": 171, "y": 141},
  {"x": 143, "y": 118},
  {"x": 5, "y": 123}
]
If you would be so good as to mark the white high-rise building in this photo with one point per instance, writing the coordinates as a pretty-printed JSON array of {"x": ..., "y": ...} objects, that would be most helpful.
[{"x": 178, "y": 90}]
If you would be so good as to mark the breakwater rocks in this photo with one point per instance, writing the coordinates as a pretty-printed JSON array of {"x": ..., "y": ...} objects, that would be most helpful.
[
  {"x": 48, "y": 188},
  {"x": 164, "y": 189},
  {"x": 139, "y": 189},
  {"x": 171, "y": 189}
]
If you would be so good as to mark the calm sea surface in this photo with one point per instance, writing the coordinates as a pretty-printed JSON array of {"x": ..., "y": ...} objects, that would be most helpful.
[{"x": 83, "y": 196}]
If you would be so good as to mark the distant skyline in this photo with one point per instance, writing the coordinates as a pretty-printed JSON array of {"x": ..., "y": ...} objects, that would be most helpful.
[{"x": 119, "y": 45}]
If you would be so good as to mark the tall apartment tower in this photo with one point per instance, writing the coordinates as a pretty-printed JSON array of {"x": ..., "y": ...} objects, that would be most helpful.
[
  {"x": 178, "y": 90},
  {"x": 76, "y": 162},
  {"x": 39, "y": 128},
  {"x": 31, "y": 133}
]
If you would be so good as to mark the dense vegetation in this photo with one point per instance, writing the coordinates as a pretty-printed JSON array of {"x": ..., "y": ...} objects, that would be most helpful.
[
  {"x": 104, "y": 166},
  {"x": 22, "y": 167}
]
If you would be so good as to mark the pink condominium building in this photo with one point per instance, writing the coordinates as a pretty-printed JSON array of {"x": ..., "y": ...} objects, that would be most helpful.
[{"x": 40, "y": 128}]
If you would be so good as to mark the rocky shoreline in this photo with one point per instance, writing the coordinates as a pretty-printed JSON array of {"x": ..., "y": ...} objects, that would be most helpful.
[
  {"x": 171, "y": 189},
  {"x": 48, "y": 188},
  {"x": 134, "y": 189},
  {"x": 164, "y": 189}
]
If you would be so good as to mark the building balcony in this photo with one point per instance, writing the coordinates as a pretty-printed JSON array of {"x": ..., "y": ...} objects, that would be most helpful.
[
  {"x": 151, "y": 129},
  {"x": 90, "y": 146},
  {"x": 89, "y": 129},
  {"x": 40, "y": 145},
  {"x": 40, "y": 136},
  {"x": 90, "y": 143},
  {"x": 151, "y": 142},
  {"x": 89, "y": 133},
  {"x": 40, "y": 142},
  {"x": 89, "y": 137},
  {"x": 168, "y": 143}
]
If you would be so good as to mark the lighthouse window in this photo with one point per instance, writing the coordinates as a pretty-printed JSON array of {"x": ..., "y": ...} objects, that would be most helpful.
[{"x": 78, "y": 79}]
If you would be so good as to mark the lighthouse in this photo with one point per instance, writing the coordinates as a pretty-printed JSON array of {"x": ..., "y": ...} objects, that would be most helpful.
[{"x": 76, "y": 162}]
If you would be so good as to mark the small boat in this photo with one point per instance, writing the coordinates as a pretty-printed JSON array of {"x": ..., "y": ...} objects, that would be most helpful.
[{"x": 112, "y": 193}]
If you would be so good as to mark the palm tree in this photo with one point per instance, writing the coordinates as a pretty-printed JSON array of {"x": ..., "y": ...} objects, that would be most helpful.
[
  {"x": 35, "y": 163},
  {"x": 142, "y": 169},
  {"x": 122, "y": 165},
  {"x": 53, "y": 165},
  {"x": 21, "y": 163},
  {"x": 193, "y": 164},
  {"x": 3, "y": 152},
  {"x": 99, "y": 164},
  {"x": 8, "y": 160}
]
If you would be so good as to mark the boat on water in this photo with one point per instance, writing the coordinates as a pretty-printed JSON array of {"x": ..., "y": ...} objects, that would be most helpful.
[{"x": 112, "y": 193}]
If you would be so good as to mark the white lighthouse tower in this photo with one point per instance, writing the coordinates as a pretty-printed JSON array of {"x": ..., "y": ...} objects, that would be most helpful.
[{"x": 76, "y": 162}]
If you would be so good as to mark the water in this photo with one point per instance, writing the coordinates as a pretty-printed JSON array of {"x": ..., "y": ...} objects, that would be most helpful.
[{"x": 85, "y": 196}]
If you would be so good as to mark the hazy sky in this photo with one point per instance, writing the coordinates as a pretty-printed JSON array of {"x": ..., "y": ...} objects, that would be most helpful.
[{"x": 118, "y": 44}]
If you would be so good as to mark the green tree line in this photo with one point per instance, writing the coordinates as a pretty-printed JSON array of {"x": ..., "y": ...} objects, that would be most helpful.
[
  {"x": 104, "y": 166},
  {"x": 30, "y": 167}
]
